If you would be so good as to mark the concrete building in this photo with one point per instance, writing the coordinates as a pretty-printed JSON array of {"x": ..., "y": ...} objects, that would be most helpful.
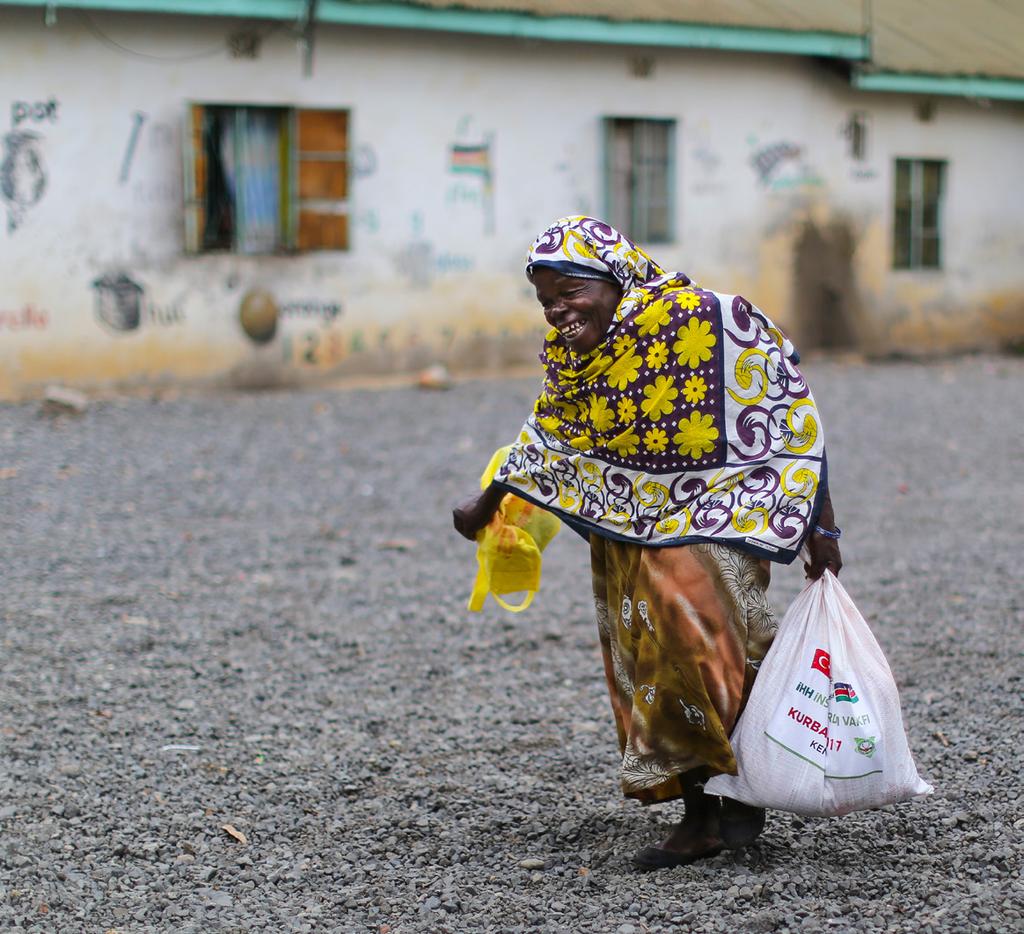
[{"x": 265, "y": 191}]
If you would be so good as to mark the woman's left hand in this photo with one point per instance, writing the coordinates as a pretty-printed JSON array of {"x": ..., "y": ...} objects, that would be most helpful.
[
  {"x": 824, "y": 554},
  {"x": 824, "y": 550}
]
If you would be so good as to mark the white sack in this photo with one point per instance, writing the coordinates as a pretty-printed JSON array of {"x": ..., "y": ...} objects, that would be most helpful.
[{"x": 822, "y": 732}]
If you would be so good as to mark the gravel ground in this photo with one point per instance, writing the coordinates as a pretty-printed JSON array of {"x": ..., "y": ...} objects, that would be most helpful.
[{"x": 248, "y": 610}]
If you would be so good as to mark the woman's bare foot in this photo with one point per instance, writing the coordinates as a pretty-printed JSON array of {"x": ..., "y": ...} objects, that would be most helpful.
[{"x": 691, "y": 839}]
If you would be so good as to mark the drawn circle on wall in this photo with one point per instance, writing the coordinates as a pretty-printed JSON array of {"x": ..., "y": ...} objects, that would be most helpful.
[
  {"x": 118, "y": 301},
  {"x": 258, "y": 315},
  {"x": 22, "y": 175}
]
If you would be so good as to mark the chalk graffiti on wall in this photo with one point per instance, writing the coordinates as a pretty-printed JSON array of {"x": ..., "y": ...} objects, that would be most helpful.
[
  {"x": 419, "y": 264},
  {"x": 23, "y": 177},
  {"x": 260, "y": 316},
  {"x": 471, "y": 155},
  {"x": 368, "y": 220},
  {"x": 157, "y": 190},
  {"x": 138, "y": 118},
  {"x": 118, "y": 301},
  {"x": 768, "y": 158},
  {"x": 415, "y": 262},
  {"x": 121, "y": 304},
  {"x": 365, "y": 162},
  {"x": 329, "y": 349},
  {"x": 34, "y": 112},
  {"x": 453, "y": 262},
  {"x": 856, "y": 130},
  {"x": 781, "y": 165},
  {"x": 26, "y": 318},
  {"x": 312, "y": 309},
  {"x": 314, "y": 348}
]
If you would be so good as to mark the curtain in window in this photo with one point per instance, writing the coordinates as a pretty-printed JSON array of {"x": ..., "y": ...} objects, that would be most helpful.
[
  {"x": 256, "y": 176},
  {"x": 217, "y": 188}
]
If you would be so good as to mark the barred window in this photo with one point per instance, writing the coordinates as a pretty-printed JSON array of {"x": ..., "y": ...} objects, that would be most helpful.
[
  {"x": 917, "y": 220},
  {"x": 639, "y": 183}
]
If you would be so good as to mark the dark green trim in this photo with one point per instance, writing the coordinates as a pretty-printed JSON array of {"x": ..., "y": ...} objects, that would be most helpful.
[
  {"x": 518, "y": 25},
  {"x": 1007, "y": 89}
]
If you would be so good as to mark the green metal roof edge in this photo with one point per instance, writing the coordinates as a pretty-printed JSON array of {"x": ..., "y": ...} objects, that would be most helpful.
[
  {"x": 492, "y": 23},
  {"x": 1007, "y": 89}
]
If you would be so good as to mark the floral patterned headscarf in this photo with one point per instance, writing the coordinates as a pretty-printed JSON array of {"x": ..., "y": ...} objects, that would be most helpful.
[
  {"x": 689, "y": 422},
  {"x": 588, "y": 248}
]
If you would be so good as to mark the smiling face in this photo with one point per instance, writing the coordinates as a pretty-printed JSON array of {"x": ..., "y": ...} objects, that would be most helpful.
[{"x": 580, "y": 309}]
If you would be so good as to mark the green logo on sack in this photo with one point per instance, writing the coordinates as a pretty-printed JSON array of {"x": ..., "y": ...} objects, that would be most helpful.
[{"x": 865, "y": 745}]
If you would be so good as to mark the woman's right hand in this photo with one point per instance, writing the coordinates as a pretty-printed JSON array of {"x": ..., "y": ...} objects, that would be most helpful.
[{"x": 473, "y": 514}]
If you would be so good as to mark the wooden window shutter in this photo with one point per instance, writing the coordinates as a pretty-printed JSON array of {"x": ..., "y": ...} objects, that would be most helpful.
[
  {"x": 322, "y": 184},
  {"x": 194, "y": 177}
]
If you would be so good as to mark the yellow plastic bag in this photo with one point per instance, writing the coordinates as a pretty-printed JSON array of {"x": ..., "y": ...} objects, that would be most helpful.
[{"x": 509, "y": 547}]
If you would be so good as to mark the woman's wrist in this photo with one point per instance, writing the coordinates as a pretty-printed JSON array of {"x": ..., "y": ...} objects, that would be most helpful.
[{"x": 492, "y": 496}]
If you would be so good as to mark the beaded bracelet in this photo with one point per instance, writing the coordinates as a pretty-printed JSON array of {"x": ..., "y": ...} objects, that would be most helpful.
[{"x": 828, "y": 534}]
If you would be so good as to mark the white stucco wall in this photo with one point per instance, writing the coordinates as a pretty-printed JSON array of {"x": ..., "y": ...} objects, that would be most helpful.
[{"x": 425, "y": 278}]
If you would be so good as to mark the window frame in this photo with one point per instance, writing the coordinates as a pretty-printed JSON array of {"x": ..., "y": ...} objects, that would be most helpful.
[
  {"x": 634, "y": 228},
  {"x": 908, "y": 237},
  {"x": 291, "y": 202}
]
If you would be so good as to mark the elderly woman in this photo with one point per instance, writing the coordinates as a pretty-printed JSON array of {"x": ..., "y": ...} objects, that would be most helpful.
[{"x": 675, "y": 432}]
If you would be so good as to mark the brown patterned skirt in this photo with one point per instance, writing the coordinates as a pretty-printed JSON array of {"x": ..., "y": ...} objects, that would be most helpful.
[{"x": 683, "y": 631}]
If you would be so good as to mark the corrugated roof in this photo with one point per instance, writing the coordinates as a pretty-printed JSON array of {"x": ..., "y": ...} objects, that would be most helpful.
[
  {"x": 949, "y": 37},
  {"x": 943, "y": 37},
  {"x": 845, "y": 16}
]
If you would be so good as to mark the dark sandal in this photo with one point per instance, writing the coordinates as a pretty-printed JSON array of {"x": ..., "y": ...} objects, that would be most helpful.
[
  {"x": 656, "y": 857},
  {"x": 739, "y": 824}
]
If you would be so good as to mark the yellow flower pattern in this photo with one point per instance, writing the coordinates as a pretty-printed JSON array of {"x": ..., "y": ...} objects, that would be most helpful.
[
  {"x": 624, "y": 396},
  {"x": 622, "y": 344},
  {"x": 695, "y": 389},
  {"x": 626, "y": 443},
  {"x": 654, "y": 317},
  {"x": 551, "y": 425},
  {"x": 659, "y": 398},
  {"x": 624, "y": 370},
  {"x": 655, "y": 440},
  {"x": 657, "y": 356},
  {"x": 696, "y": 435},
  {"x": 687, "y": 298},
  {"x": 601, "y": 416},
  {"x": 695, "y": 342}
]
